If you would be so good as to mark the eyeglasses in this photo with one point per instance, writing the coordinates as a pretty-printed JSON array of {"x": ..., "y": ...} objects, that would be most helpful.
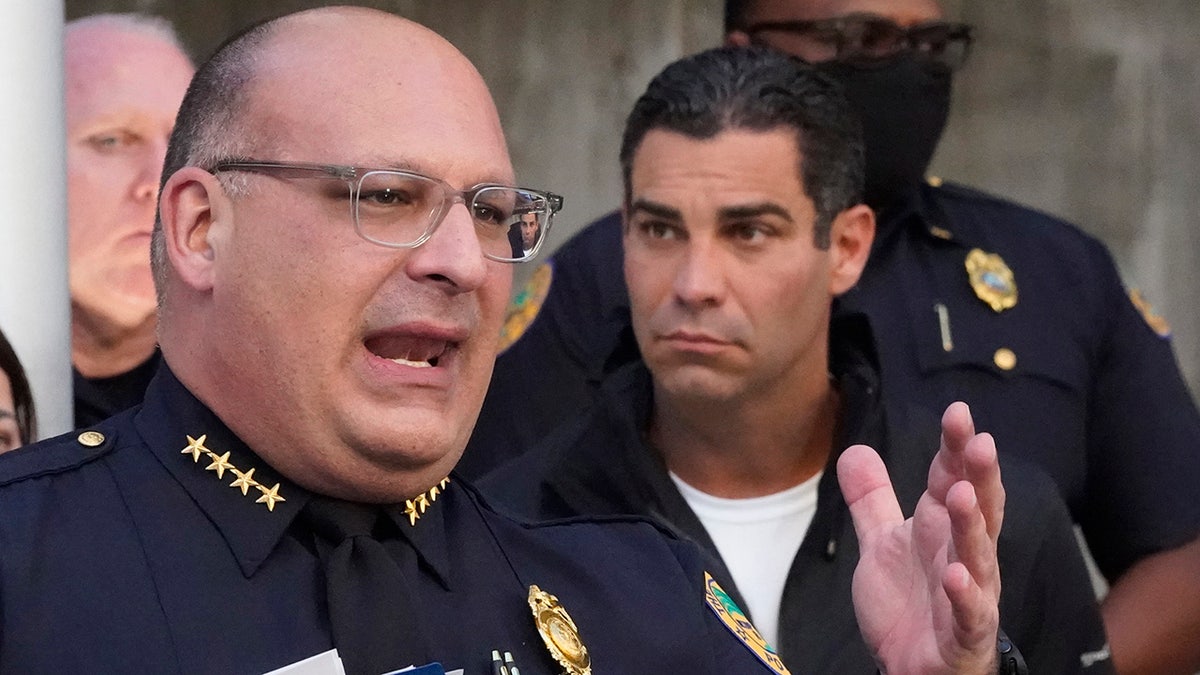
[
  {"x": 868, "y": 39},
  {"x": 402, "y": 209}
]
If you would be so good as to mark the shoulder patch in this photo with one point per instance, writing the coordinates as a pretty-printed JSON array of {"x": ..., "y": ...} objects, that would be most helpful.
[
  {"x": 55, "y": 455},
  {"x": 736, "y": 621},
  {"x": 1156, "y": 322},
  {"x": 525, "y": 306}
]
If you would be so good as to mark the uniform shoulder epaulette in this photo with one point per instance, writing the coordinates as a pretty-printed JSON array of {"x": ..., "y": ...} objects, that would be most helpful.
[
  {"x": 950, "y": 190},
  {"x": 56, "y": 455}
]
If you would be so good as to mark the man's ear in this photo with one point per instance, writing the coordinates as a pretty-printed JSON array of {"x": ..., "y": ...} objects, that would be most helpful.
[
  {"x": 737, "y": 38},
  {"x": 192, "y": 201},
  {"x": 850, "y": 239}
]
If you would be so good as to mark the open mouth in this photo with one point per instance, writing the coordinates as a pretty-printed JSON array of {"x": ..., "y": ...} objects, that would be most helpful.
[{"x": 414, "y": 352}]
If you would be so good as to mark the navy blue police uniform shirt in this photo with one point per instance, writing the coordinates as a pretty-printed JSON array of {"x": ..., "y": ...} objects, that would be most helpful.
[
  {"x": 130, "y": 547},
  {"x": 98, "y": 398},
  {"x": 1073, "y": 375}
]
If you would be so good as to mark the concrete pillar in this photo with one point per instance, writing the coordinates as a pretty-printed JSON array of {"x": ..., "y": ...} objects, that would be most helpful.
[{"x": 34, "y": 305}]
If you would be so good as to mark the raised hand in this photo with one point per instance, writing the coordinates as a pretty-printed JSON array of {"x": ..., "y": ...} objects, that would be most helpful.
[{"x": 926, "y": 589}]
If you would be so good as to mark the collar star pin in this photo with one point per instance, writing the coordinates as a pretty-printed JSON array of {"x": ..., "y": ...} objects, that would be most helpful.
[
  {"x": 415, "y": 508},
  {"x": 559, "y": 633},
  {"x": 991, "y": 279},
  {"x": 220, "y": 464}
]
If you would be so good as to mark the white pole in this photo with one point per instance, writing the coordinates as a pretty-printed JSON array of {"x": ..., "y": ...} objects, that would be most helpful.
[{"x": 34, "y": 304}]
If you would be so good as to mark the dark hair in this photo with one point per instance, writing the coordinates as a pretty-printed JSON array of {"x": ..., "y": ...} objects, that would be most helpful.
[
  {"x": 735, "y": 14},
  {"x": 22, "y": 395},
  {"x": 759, "y": 89},
  {"x": 206, "y": 127}
]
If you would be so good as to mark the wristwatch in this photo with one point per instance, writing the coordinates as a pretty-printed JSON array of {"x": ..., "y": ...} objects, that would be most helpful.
[{"x": 1008, "y": 657}]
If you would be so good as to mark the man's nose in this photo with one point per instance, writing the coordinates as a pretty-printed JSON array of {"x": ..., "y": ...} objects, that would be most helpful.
[
  {"x": 453, "y": 254},
  {"x": 700, "y": 280},
  {"x": 149, "y": 170}
]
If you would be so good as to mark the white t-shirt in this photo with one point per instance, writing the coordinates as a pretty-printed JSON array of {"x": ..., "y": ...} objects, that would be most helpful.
[{"x": 758, "y": 539}]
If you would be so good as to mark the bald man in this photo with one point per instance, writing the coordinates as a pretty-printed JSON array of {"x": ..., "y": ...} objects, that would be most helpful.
[
  {"x": 125, "y": 77},
  {"x": 286, "y": 488}
]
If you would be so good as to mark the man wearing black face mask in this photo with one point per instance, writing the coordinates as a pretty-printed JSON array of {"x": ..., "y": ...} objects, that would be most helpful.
[{"x": 1019, "y": 314}]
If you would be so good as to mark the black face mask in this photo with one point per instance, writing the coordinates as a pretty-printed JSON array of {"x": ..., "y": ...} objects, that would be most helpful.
[{"x": 903, "y": 105}]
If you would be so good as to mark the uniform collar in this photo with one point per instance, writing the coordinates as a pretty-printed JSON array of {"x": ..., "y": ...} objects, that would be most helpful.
[
  {"x": 925, "y": 214},
  {"x": 171, "y": 414}
]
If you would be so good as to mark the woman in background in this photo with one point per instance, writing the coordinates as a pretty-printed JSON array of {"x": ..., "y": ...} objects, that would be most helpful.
[{"x": 18, "y": 424}]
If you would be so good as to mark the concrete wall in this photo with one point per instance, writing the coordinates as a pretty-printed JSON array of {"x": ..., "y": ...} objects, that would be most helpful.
[{"x": 1089, "y": 109}]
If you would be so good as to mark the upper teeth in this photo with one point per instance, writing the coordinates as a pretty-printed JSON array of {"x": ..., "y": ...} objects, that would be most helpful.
[{"x": 414, "y": 364}]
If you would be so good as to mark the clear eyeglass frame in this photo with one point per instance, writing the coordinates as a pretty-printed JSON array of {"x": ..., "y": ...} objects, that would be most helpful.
[
  {"x": 390, "y": 209},
  {"x": 866, "y": 39}
]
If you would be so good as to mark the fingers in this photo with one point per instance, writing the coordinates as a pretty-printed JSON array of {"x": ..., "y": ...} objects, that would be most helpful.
[
  {"x": 966, "y": 455},
  {"x": 972, "y": 544},
  {"x": 976, "y": 618},
  {"x": 947, "y": 468},
  {"x": 867, "y": 489},
  {"x": 971, "y": 580},
  {"x": 983, "y": 471},
  {"x": 957, "y": 427}
]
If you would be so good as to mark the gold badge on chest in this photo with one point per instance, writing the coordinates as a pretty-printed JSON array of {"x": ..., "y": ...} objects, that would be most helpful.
[
  {"x": 559, "y": 632},
  {"x": 991, "y": 279}
]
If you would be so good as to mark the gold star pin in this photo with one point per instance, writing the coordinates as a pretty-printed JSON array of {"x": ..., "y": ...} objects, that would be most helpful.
[
  {"x": 245, "y": 481},
  {"x": 415, "y": 507},
  {"x": 219, "y": 464},
  {"x": 269, "y": 497},
  {"x": 195, "y": 447}
]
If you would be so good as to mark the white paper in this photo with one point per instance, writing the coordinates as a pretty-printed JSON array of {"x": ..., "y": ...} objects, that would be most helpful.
[{"x": 325, "y": 663}]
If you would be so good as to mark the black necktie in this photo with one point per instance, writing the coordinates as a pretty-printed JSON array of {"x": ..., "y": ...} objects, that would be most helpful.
[{"x": 375, "y": 621}]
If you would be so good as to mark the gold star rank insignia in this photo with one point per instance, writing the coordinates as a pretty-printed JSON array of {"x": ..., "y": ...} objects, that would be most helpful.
[
  {"x": 245, "y": 481},
  {"x": 195, "y": 447},
  {"x": 991, "y": 279},
  {"x": 417, "y": 506},
  {"x": 559, "y": 633},
  {"x": 739, "y": 624},
  {"x": 269, "y": 497},
  {"x": 219, "y": 464}
]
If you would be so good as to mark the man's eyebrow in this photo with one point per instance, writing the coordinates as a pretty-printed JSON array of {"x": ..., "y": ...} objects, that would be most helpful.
[
  {"x": 753, "y": 210},
  {"x": 417, "y": 166},
  {"x": 656, "y": 209},
  {"x": 6, "y": 414}
]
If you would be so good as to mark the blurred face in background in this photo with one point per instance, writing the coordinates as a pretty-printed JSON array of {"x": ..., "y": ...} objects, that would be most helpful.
[
  {"x": 123, "y": 89},
  {"x": 10, "y": 435}
]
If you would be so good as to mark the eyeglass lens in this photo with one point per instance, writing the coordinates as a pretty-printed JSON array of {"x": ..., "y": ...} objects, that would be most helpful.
[
  {"x": 401, "y": 209},
  {"x": 866, "y": 39}
]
